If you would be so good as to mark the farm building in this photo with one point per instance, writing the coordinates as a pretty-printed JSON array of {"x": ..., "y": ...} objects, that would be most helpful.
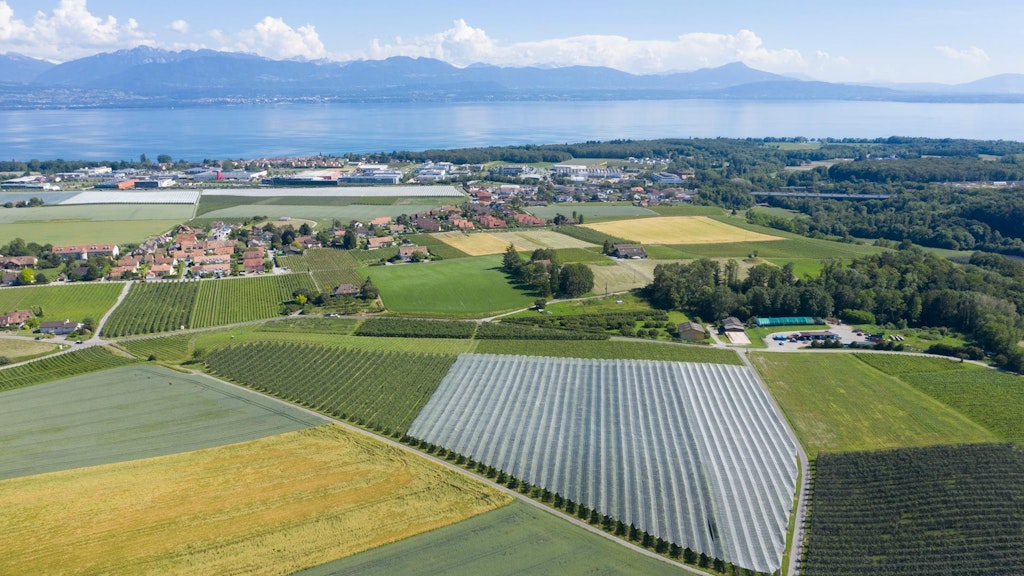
[
  {"x": 379, "y": 242},
  {"x": 788, "y": 321},
  {"x": 629, "y": 251},
  {"x": 58, "y": 327},
  {"x": 18, "y": 262},
  {"x": 691, "y": 330},
  {"x": 731, "y": 324}
]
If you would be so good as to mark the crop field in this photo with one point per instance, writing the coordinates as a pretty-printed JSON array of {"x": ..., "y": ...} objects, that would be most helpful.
[
  {"x": 436, "y": 246},
  {"x": 688, "y": 210},
  {"x": 132, "y": 412},
  {"x": 991, "y": 398},
  {"x": 155, "y": 197},
  {"x": 467, "y": 287},
  {"x": 595, "y": 211},
  {"x": 16, "y": 349},
  {"x": 239, "y": 300},
  {"x": 72, "y": 301},
  {"x": 60, "y": 366},
  {"x": 269, "y": 506},
  {"x": 384, "y": 390},
  {"x": 691, "y": 453},
  {"x": 610, "y": 349},
  {"x": 943, "y": 510},
  {"x": 837, "y": 403},
  {"x": 96, "y": 213},
  {"x": 435, "y": 191},
  {"x": 679, "y": 230},
  {"x": 515, "y": 539},
  {"x": 319, "y": 259},
  {"x": 165, "y": 349},
  {"x": 415, "y": 328},
  {"x": 484, "y": 243},
  {"x": 311, "y": 325},
  {"x": 85, "y": 231},
  {"x": 623, "y": 275},
  {"x": 361, "y": 212},
  {"x": 153, "y": 307}
]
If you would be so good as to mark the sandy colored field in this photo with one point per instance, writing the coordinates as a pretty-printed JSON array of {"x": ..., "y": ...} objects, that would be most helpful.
[
  {"x": 15, "y": 348},
  {"x": 270, "y": 506},
  {"x": 678, "y": 230},
  {"x": 484, "y": 243}
]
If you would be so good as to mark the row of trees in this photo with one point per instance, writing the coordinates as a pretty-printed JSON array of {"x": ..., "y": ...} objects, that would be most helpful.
[
  {"x": 545, "y": 276},
  {"x": 905, "y": 288}
]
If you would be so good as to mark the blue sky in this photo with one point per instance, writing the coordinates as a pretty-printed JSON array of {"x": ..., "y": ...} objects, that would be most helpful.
[{"x": 869, "y": 41}]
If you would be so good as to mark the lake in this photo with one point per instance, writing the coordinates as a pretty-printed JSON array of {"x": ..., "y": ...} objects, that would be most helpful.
[{"x": 268, "y": 130}]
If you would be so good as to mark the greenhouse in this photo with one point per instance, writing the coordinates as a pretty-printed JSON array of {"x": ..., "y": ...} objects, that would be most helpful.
[{"x": 789, "y": 321}]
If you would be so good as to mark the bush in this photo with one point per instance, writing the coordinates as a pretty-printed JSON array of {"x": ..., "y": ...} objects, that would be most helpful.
[{"x": 857, "y": 316}]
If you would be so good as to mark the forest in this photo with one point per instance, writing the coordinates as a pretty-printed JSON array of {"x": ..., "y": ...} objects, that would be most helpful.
[{"x": 905, "y": 288}]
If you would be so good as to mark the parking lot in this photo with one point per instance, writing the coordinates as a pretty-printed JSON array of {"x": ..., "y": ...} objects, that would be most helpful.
[{"x": 847, "y": 334}]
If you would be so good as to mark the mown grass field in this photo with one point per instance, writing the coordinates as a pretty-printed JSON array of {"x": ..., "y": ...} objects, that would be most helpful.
[
  {"x": 515, "y": 539},
  {"x": 72, "y": 301},
  {"x": 836, "y": 403},
  {"x": 97, "y": 213},
  {"x": 623, "y": 275},
  {"x": 132, "y": 412},
  {"x": 17, "y": 349},
  {"x": 625, "y": 349},
  {"x": 59, "y": 366},
  {"x": 467, "y": 287},
  {"x": 269, "y": 506},
  {"x": 591, "y": 211},
  {"x": 679, "y": 230},
  {"x": 991, "y": 398}
]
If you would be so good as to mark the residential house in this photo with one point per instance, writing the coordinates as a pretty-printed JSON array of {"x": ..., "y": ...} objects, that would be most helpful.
[
  {"x": 461, "y": 223},
  {"x": 254, "y": 253},
  {"x": 484, "y": 196},
  {"x": 308, "y": 242},
  {"x": 159, "y": 271},
  {"x": 253, "y": 265},
  {"x": 378, "y": 222},
  {"x": 692, "y": 331},
  {"x": 629, "y": 251},
  {"x": 9, "y": 278},
  {"x": 346, "y": 290},
  {"x": 118, "y": 272},
  {"x": 59, "y": 327},
  {"x": 529, "y": 220},
  {"x": 406, "y": 252},
  {"x": 427, "y": 224},
  {"x": 379, "y": 242},
  {"x": 396, "y": 228},
  {"x": 15, "y": 318},
  {"x": 216, "y": 270},
  {"x": 488, "y": 221},
  {"x": 86, "y": 251}
]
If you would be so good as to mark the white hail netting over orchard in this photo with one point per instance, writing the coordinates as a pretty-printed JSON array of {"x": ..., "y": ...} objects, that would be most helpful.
[
  {"x": 154, "y": 197},
  {"x": 434, "y": 191},
  {"x": 692, "y": 453}
]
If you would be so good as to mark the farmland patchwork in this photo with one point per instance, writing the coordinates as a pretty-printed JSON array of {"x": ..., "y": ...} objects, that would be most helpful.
[{"x": 688, "y": 452}]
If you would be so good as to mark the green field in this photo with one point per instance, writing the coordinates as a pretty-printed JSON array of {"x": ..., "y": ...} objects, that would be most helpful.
[
  {"x": 627, "y": 349},
  {"x": 835, "y": 402},
  {"x": 229, "y": 301},
  {"x": 328, "y": 267},
  {"x": 336, "y": 326},
  {"x": 97, "y": 213},
  {"x": 60, "y": 366},
  {"x": 171, "y": 349},
  {"x": 436, "y": 246},
  {"x": 360, "y": 212},
  {"x": 75, "y": 301},
  {"x": 129, "y": 413},
  {"x": 516, "y": 539},
  {"x": 383, "y": 390},
  {"x": 991, "y": 398},
  {"x": 82, "y": 232},
  {"x": 467, "y": 287},
  {"x": 591, "y": 211}
]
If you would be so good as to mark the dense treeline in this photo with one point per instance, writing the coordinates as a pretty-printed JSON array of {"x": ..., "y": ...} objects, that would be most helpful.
[
  {"x": 904, "y": 288},
  {"x": 942, "y": 217},
  {"x": 946, "y": 169}
]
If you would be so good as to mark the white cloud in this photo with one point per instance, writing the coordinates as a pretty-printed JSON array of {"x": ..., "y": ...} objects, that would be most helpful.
[
  {"x": 179, "y": 26},
  {"x": 463, "y": 44},
  {"x": 273, "y": 38},
  {"x": 69, "y": 31},
  {"x": 974, "y": 56}
]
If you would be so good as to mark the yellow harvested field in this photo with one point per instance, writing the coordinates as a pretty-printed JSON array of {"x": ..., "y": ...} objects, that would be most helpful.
[
  {"x": 678, "y": 230},
  {"x": 484, "y": 243},
  {"x": 15, "y": 348},
  {"x": 270, "y": 506}
]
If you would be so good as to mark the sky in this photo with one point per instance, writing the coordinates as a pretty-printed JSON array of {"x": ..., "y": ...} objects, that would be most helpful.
[{"x": 871, "y": 41}]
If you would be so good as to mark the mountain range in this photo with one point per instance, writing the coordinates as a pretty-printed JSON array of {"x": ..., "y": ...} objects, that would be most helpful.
[{"x": 148, "y": 76}]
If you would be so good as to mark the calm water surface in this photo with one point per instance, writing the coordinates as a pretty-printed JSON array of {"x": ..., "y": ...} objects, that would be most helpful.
[{"x": 300, "y": 129}]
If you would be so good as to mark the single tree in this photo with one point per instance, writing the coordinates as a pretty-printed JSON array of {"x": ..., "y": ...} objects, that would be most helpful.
[
  {"x": 26, "y": 277},
  {"x": 511, "y": 262}
]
